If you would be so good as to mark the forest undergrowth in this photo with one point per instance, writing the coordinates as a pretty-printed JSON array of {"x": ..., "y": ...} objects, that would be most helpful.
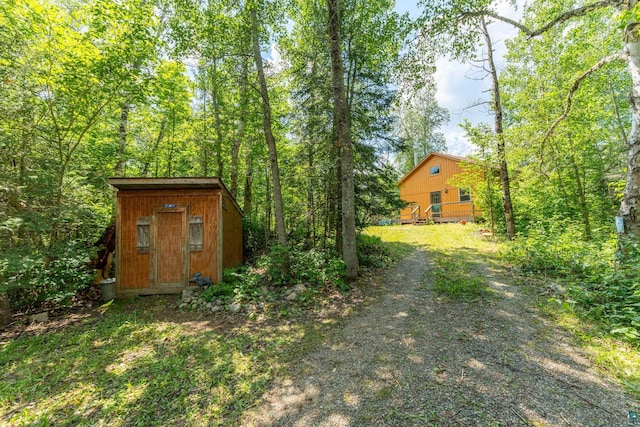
[{"x": 589, "y": 289}]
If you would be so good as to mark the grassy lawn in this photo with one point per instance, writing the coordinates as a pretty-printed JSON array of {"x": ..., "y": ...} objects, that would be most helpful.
[
  {"x": 457, "y": 251},
  {"x": 133, "y": 366},
  {"x": 446, "y": 239},
  {"x": 141, "y": 362}
]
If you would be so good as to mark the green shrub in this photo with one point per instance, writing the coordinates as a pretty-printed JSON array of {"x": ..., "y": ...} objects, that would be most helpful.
[
  {"x": 311, "y": 266},
  {"x": 561, "y": 253},
  {"x": 317, "y": 268},
  {"x": 221, "y": 290},
  {"x": 372, "y": 251},
  {"x": 274, "y": 262},
  {"x": 599, "y": 288},
  {"x": 614, "y": 299},
  {"x": 31, "y": 278}
]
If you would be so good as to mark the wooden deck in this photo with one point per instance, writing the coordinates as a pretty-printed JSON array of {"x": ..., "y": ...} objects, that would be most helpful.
[{"x": 442, "y": 213}]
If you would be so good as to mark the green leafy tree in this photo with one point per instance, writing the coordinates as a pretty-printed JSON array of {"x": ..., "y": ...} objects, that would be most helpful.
[
  {"x": 627, "y": 14},
  {"x": 574, "y": 173},
  {"x": 463, "y": 32},
  {"x": 419, "y": 117}
]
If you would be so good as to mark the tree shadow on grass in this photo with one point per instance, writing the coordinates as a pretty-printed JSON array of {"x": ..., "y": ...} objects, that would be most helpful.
[{"x": 141, "y": 364}]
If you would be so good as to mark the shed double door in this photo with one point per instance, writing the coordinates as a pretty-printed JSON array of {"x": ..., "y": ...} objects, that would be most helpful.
[{"x": 170, "y": 260}]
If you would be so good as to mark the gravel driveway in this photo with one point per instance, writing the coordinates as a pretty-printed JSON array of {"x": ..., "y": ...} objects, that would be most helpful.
[{"x": 411, "y": 357}]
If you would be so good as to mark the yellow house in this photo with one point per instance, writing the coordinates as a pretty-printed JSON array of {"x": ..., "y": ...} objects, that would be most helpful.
[{"x": 431, "y": 197}]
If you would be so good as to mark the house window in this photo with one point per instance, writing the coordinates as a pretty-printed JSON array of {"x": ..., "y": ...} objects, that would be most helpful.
[
  {"x": 465, "y": 194},
  {"x": 435, "y": 170},
  {"x": 143, "y": 226},
  {"x": 196, "y": 233}
]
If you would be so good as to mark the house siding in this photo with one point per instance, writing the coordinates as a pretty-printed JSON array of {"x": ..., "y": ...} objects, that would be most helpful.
[{"x": 416, "y": 187}]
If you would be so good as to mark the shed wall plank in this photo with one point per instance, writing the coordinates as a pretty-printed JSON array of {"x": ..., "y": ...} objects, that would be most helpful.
[{"x": 135, "y": 269}]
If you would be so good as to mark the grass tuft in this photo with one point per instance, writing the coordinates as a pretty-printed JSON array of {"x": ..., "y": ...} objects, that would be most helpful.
[{"x": 452, "y": 279}]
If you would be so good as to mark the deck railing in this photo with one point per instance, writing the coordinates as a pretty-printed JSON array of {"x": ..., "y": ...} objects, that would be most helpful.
[
  {"x": 451, "y": 211},
  {"x": 415, "y": 213},
  {"x": 441, "y": 212}
]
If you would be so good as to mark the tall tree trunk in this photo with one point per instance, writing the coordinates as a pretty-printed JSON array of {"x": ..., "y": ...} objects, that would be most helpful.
[
  {"x": 156, "y": 146},
  {"x": 267, "y": 208},
  {"x": 311, "y": 233},
  {"x": 561, "y": 187},
  {"x": 336, "y": 194},
  {"x": 248, "y": 184},
  {"x": 328, "y": 211},
  {"x": 268, "y": 133},
  {"x": 507, "y": 207},
  {"x": 621, "y": 127},
  {"x": 582, "y": 198},
  {"x": 217, "y": 121},
  {"x": 343, "y": 136},
  {"x": 205, "y": 128},
  {"x": 237, "y": 141},
  {"x": 171, "y": 146},
  {"x": 631, "y": 196},
  {"x": 122, "y": 139},
  {"x": 5, "y": 309}
]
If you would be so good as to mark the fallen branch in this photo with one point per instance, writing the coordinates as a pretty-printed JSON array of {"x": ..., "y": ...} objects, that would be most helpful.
[
  {"x": 590, "y": 402},
  {"x": 524, "y": 420}
]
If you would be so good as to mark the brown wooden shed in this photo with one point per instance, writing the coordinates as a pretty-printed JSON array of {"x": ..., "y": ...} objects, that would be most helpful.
[{"x": 170, "y": 228}]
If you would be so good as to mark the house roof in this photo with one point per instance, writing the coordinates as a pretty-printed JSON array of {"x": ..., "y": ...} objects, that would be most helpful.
[
  {"x": 426, "y": 159},
  {"x": 171, "y": 183}
]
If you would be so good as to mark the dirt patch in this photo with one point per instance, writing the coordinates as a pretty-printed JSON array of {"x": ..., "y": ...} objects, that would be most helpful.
[
  {"x": 333, "y": 305},
  {"x": 411, "y": 357}
]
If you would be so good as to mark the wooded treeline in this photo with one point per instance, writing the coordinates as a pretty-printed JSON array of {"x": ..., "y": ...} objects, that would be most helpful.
[{"x": 250, "y": 91}]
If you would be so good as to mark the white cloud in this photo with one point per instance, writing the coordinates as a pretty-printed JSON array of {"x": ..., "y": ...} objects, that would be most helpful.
[{"x": 460, "y": 91}]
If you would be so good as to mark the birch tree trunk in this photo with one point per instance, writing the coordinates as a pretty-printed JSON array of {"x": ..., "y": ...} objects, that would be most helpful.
[
  {"x": 631, "y": 196},
  {"x": 343, "y": 136},
  {"x": 507, "y": 207},
  {"x": 268, "y": 133}
]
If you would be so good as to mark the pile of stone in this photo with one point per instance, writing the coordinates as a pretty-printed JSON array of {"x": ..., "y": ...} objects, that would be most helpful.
[
  {"x": 191, "y": 300},
  {"x": 294, "y": 293}
]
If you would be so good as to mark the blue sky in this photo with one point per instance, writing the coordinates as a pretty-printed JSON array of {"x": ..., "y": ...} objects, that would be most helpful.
[{"x": 457, "y": 90}]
